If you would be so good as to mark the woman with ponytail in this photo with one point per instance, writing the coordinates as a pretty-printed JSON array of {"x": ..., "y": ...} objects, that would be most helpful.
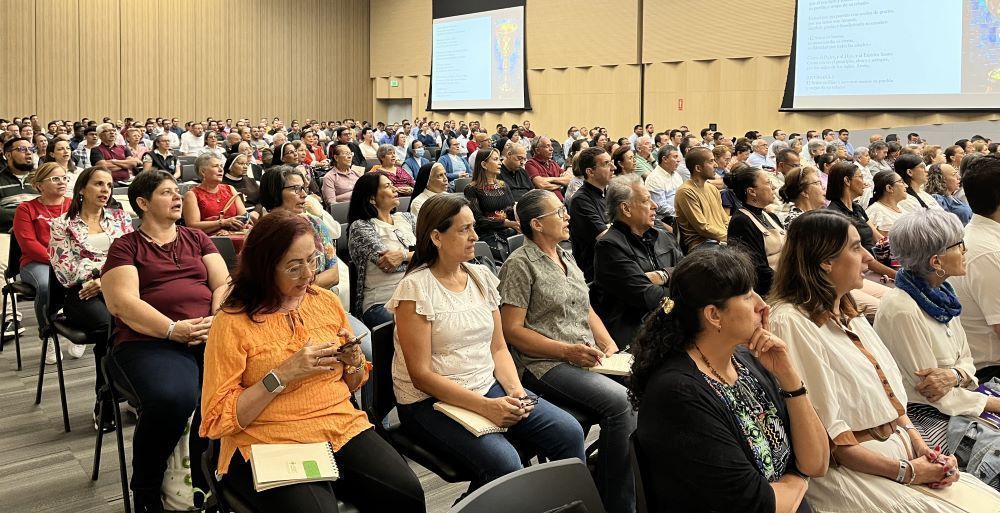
[
  {"x": 725, "y": 423},
  {"x": 912, "y": 169}
]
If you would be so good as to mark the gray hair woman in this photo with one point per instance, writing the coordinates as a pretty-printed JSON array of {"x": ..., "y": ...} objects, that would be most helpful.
[
  {"x": 556, "y": 336},
  {"x": 919, "y": 322},
  {"x": 389, "y": 163},
  {"x": 943, "y": 183},
  {"x": 863, "y": 159}
]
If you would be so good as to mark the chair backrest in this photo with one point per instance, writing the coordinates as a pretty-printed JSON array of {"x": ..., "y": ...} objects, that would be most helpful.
[
  {"x": 462, "y": 183},
  {"x": 384, "y": 399},
  {"x": 536, "y": 489},
  {"x": 120, "y": 191},
  {"x": 339, "y": 211},
  {"x": 404, "y": 204},
  {"x": 343, "y": 250},
  {"x": 514, "y": 242},
  {"x": 13, "y": 258},
  {"x": 483, "y": 250},
  {"x": 188, "y": 173},
  {"x": 369, "y": 164},
  {"x": 640, "y": 492},
  {"x": 227, "y": 250}
]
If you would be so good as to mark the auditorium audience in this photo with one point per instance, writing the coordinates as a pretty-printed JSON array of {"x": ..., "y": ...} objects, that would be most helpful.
[
  {"x": 380, "y": 242},
  {"x": 492, "y": 203},
  {"x": 664, "y": 181},
  {"x": 545, "y": 173},
  {"x": 454, "y": 165},
  {"x": 588, "y": 211},
  {"x": 112, "y": 157},
  {"x": 255, "y": 348},
  {"x": 32, "y": 225},
  {"x": 78, "y": 246},
  {"x": 573, "y": 166},
  {"x": 431, "y": 181},
  {"x": 889, "y": 192},
  {"x": 756, "y": 230},
  {"x": 943, "y": 183},
  {"x": 212, "y": 147},
  {"x": 721, "y": 427},
  {"x": 632, "y": 261},
  {"x": 338, "y": 183},
  {"x": 912, "y": 169},
  {"x": 977, "y": 290},
  {"x": 556, "y": 336},
  {"x": 450, "y": 347},
  {"x": 389, "y": 166},
  {"x": 59, "y": 152},
  {"x": 856, "y": 387},
  {"x": 698, "y": 204},
  {"x": 162, "y": 284},
  {"x": 235, "y": 175},
  {"x": 212, "y": 206},
  {"x": 624, "y": 161}
]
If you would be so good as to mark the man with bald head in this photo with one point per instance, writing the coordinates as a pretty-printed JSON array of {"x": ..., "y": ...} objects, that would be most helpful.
[
  {"x": 759, "y": 156},
  {"x": 512, "y": 171},
  {"x": 544, "y": 172}
]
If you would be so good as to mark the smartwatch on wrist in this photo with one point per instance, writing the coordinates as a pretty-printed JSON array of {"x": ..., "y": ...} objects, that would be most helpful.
[{"x": 272, "y": 383}]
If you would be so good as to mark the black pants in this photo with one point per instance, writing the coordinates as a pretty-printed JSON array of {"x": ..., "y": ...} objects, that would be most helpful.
[
  {"x": 373, "y": 477},
  {"x": 90, "y": 316},
  {"x": 987, "y": 373},
  {"x": 165, "y": 377}
]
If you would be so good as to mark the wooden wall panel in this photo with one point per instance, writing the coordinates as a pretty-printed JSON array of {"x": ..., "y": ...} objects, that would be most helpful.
[
  {"x": 140, "y": 81},
  {"x": 58, "y": 71},
  {"x": 100, "y": 59},
  {"x": 400, "y": 38},
  {"x": 571, "y": 33},
  {"x": 17, "y": 58}
]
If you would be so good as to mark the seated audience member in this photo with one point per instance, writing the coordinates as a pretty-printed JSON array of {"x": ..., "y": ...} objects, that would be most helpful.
[
  {"x": 32, "y": 226},
  {"x": 236, "y": 176},
  {"x": 212, "y": 147},
  {"x": 942, "y": 184},
  {"x": 368, "y": 145},
  {"x": 490, "y": 201},
  {"x": 338, "y": 183},
  {"x": 192, "y": 141},
  {"x": 315, "y": 157},
  {"x": 953, "y": 156},
  {"x": 623, "y": 161},
  {"x": 454, "y": 165},
  {"x": 977, "y": 290},
  {"x": 632, "y": 261},
  {"x": 862, "y": 160},
  {"x": 913, "y": 171},
  {"x": 254, "y": 169},
  {"x": 758, "y": 231},
  {"x": 431, "y": 181},
  {"x": 664, "y": 181},
  {"x": 399, "y": 143},
  {"x": 759, "y": 157},
  {"x": 161, "y": 158},
  {"x": 285, "y": 154},
  {"x": 162, "y": 284},
  {"x": 512, "y": 171},
  {"x": 265, "y": 383},
  {"x": 78, "y": 246},
  {"x": 884, "y": 208},
  {"x": 855, "y": 385},
  {"x": 572, "y": 165},
  {"x": 15, "y": 188},
  {"x": 111, "y": 157},
  {"x": 379, "y": 244},
  {"x": 643, "y": 156},
  {"x": 698, "y": 204},
  {"x": 450, "y": 348},
  {"x": 825, "y": 163},
  {"x": 545, "y": 173},
  {"x": 919, "y": 323},
  {"x": 699, "y": 393},
  {"x": 59, "y": 152},
  {"x": 283, "y": 189},
  {"x": 212, "y": 206},
  {"x": 415, "y": 158},
  {"x": 556, "y": 336},
  {"x": 588, "y": 210},
  {"x": 880, "y": 154},
  {"x": 387, "y": 165},
  {"x": 133, "y": 140}
]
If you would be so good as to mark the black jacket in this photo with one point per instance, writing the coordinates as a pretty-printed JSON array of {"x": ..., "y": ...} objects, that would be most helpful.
[
  {"x": 743, "y": 232},
  {"x": 692, "y": 454},
  {"x": 587, "y": 219},
  {"x": 622, "y": 294},
  {"x": 13, "y": 192}
]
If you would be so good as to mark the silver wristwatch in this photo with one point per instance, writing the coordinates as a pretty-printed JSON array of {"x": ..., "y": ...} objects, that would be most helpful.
[{"x": 272, "y": 383}]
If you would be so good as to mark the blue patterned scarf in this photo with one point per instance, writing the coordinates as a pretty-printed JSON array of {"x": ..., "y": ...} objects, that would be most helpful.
[{"x": 940, "y": 303}]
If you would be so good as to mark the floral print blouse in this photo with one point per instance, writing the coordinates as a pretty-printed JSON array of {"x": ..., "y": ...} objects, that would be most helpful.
[{"x": 73, "y": 258}]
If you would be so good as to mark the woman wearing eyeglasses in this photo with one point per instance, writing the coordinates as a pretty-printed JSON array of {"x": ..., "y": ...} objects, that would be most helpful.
[
  {"x": 277, "y": 371},
  {"x": 884, "y": 209},
  {"x": 32, "y": 222},
  {"x": 380, "y": 242},
  {"x": 338, "y": 183},
  {"x": 804, "y": 190}
]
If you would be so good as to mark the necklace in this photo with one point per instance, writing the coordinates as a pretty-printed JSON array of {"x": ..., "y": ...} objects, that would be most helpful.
[
  {"x": 714, "y": 372},
  {"x": 154, "y": 240}
]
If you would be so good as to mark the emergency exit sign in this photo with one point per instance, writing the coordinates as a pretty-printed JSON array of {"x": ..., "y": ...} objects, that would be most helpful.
[{"x": 394, "y": 83}]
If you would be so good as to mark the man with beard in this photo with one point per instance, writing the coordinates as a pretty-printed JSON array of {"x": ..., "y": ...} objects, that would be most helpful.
[{"x": 14, "y": 189}]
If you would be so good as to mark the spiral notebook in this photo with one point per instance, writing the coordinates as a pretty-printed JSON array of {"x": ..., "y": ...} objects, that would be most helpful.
[
  {"x": 618, "y": 364},
  {"x": 470, "y": 420},
  {"x": 277, "y": 465}
]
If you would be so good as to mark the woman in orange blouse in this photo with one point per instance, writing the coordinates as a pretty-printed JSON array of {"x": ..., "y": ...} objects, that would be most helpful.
[{"x": 275, "y": 372}]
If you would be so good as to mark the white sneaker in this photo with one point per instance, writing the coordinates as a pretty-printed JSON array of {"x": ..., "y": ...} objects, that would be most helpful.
[
  {"x": 50, "y": 353},
  {"x": 8, "y": 332},
  {"x": 76, "y": 350},
  {"x": 10, "y": 316}
]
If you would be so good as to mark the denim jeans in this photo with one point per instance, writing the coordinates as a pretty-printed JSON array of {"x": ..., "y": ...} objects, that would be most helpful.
[
  {"x": 36, "y": 274},
  {"x": 376, "y": 315},
  {"x": 555, "y": 434},
  {"x": 597, "y": 396},
  {"x": 166, "y": 379}
]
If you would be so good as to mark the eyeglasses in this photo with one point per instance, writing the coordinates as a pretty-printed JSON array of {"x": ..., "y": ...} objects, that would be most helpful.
[
  {"x": 528, "y": 400},
  {"x": 960, "y": 244},
  {"x": 310, "y": 266},
  {"x": 297, "y": 189},
  {"x": 807, "y": 184},
  {"x": 24, "y": 149},
  {"x": 561, "y": 212},
  {"x": 57, "y": 179}
]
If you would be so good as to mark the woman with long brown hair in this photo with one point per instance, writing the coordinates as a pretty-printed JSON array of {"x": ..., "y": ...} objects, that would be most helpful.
[{"x": 492, "y": 203}]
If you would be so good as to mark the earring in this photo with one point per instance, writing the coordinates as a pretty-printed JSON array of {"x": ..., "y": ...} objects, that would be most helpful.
[{"x": 939, "y": 273}]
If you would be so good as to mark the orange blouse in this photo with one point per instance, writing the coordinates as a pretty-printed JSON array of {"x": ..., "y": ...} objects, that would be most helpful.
[{"x": 240, "y": 352}]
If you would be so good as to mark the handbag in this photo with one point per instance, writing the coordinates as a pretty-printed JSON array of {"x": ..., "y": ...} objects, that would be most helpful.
[{"x": 177, "y": 489}]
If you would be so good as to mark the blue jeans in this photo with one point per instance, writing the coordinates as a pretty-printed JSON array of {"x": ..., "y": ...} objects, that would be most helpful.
[
  {"x": 358, "y": 327},
  {"x": 552, "y": 431},
  {"x": 376, "y": 315},
  {"x": 36, "y": 274},
  {"x": 597, "y": 396}
]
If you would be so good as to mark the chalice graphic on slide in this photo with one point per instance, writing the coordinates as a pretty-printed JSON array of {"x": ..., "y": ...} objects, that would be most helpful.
[{"x": 506, "y": 42}]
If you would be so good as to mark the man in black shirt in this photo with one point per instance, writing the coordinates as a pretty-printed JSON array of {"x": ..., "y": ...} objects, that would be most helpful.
[
  {"x": 512, "y": 171},
  {"x": 587, "y": 211},
  {"x": 344, "y": 135}
]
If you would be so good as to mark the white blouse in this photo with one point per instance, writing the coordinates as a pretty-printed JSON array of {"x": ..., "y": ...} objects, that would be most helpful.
[
  {"x": 843, "y": 385},
  {"x": 418, "y": 202},
  {"x": 461, "y": 330},
  {"x": 918, "y": 341},
  {"x": 882, "y": 216},
  {"x": 910, "y": 204}
]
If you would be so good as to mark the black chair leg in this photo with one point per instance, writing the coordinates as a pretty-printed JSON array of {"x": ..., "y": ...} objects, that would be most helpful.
[
  {"x": 99, "y": 442},
  {"x": 3, "y": 319},
  {"x": 122, "y": 469},
  {"x": 17, "y": 328},
  {"x": 41, "y": 371},
  {"x": 62, "y": 382}
]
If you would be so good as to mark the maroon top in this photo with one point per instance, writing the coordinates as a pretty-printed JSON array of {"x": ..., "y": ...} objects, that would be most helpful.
[
  {"x": 549, "y": 169},
  {"x": 116, "y": 152},
  {"x": 172, "y": 279}
]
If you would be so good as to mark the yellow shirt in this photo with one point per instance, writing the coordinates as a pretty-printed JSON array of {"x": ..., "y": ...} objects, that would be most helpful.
[
  {"x": 240, "y": 352},
  {"x": 700, "y": 215}
]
